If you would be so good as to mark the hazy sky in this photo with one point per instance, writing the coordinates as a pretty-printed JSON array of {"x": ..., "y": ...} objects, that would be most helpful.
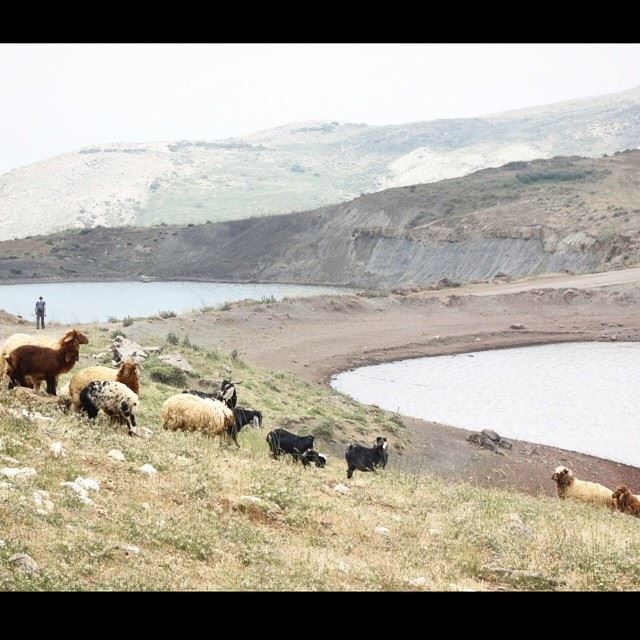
[{"x": 58, "y": 97}]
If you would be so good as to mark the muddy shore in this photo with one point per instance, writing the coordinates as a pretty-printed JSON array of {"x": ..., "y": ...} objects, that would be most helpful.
[{"x": 316, "y": 338}]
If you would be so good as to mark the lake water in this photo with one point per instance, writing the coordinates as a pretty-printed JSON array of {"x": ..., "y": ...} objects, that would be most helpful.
[
  {"x": 579, "y": 396},
  {"x": 77, "y": 302}
]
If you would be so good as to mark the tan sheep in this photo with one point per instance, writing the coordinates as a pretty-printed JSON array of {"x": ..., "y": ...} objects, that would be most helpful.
[
  {"x": 187, "y": 412},
  {"x": 127, "y": 374},
  {"x": 568, "y": 486}
]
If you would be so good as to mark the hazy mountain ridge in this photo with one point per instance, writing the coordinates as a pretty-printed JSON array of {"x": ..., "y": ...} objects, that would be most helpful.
[
  {"x": 576, "y": 214},
  {"x": 296, "y": 167}
]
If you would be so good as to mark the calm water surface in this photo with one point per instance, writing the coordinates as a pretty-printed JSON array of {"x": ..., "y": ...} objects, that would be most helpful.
[
  {"x": 581, "y": 396},
  {"x": 75, "y": 302}
]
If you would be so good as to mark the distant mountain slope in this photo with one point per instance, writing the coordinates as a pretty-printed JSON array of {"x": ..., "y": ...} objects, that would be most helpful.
[
  {"x": 296, "y": 167},
  {"x": 575, "y": 214}
]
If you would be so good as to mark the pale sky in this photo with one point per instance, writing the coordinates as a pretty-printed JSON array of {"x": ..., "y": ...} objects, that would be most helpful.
[{"x": 55, "y": 98}]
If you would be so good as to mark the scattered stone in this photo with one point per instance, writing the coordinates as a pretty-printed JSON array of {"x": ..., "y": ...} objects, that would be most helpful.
[
  {"x": 182, "y": 461},
  {"x": 100, "y": 356},
  {"x": 489, "y": 439},
  {"x": 57, "y": 450},
  {"x": 148, "y": 469},
  {"x": 145, "y": 433},
  {"x": 123, "y": 348},
  {"x": 153, "y": 350},
  {"x": 18, "y": 473},
  {"x": 341, "y": 488},
  {"x": 343, "y": 567},
  {"x": 478, "y": 340},
  {"x": 116, "y": 454},
  {"x": 434, "y": 532},
  {"x": 88, "y": 483},
  {"x": 9, "y": 459},
  {"x": 383, "y": 531},
  {"x": 131, "y": 549},
  {"x": 518, "y": 327},
  {"x": 176, "y": 360},
  {"x": 264, "y": 505},
  {"x": 81, "y": 492},
  {"x": 44, "y": 506},
  {"x": 3, "y": 544},
  {"x": 419, "y": 581},
  {"x": 24, "y": 562},
  {"x": 146, "y": 506}
]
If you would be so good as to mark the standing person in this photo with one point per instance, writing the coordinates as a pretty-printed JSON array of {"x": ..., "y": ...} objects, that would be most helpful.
[{"x": 40, "y": 312}]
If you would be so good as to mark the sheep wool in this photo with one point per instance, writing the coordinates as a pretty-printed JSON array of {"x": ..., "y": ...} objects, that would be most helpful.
[
  {"x": 127, "y": 374},
  {"x": 187, "y": 412}
]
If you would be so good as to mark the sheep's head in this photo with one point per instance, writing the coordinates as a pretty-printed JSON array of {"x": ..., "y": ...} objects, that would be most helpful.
[
  {"x": 563, "y": 476},
  {"x": 73, "y": 335},
  {"x": 621, "y": 496},
  {"x": 128, "y": 370}
]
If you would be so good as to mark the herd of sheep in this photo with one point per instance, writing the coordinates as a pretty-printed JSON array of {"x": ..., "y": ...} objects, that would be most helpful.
[{"x": 27, "y": 361}]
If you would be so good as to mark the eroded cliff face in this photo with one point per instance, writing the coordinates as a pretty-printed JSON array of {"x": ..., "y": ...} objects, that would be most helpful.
[{"x": 572, "y": 214}]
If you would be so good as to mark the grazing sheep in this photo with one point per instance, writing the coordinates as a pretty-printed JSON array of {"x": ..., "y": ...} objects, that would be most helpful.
[
  {"x": 127, "y": 374},
  {"x": 365, "y": 458},
  {"x": 43, "y": 363},
  {"x": 187, "y": 412},
  {"x": 16, "y": 340},
  {"x": 569, "y": 487},
  {"x": 114, "y": 398},
  {"x": 625, "y": 501}
]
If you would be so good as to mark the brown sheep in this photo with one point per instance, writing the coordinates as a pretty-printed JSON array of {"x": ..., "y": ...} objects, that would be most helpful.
[
  {"x": 568, "y": 486},
  {"x": 43, "y": 362},
  {"x": 127, "y": 374},
  {"x": 625, "y": 501},
  {"x": 16, "y": 340}
]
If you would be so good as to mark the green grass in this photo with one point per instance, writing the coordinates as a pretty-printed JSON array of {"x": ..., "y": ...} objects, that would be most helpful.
[{"x": 195, "y": 531}]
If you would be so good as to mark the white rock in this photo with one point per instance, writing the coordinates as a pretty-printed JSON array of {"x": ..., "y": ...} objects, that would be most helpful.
[
  {"x": 148, "y": 469},
  {"x": 419, "y": 581},
  {"x": 341, "y": 488},
  {"x": 3, "y": 544},
  {"x": 343, "y": 566},
  {"x": 19, "y": 473},
  {"x": 44, "y": 506},
  {"x": 81, "y": 492},
  {"x": 57, "y": 449},
  {"x": 131, "y": 549},
  {"x": 89, "y": 484},
  {"x": 7, "y": 485},
  {"x": 176, "y": 360},
  {"x": 24, "y": 562},
  {"x": 263, "y": 504},
  {"x": 116, "y": 454},
  {"x": 434, "y": 532},
  {"x": 9, "y": 460},
  {"x": 144, "y": 432},
  {"x": 383, "y": 531},
  {"x": 146, "y": 506}
]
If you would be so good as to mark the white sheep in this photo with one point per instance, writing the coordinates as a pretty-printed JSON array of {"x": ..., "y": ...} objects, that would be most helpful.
[
  {"x": 114, "y": 398},
  {"x": 187, "y": 412},
  {"x": 568, "y": 486}
]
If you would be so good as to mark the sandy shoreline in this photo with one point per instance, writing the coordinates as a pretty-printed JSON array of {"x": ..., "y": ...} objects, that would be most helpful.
[{"x": 316, "y": 338}]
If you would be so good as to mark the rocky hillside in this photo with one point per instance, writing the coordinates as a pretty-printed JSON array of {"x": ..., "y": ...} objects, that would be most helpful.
[
  {"x": 295, "y": 167},
  {"x": 573, "y": 214}
]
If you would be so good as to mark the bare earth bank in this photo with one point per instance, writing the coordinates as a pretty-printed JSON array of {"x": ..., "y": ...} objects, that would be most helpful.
[{"x": 316, "y": 338}]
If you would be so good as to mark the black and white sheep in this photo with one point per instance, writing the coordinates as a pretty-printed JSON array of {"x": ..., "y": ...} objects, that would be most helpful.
[
  {"x": 365, "y": 458},
  {"x": 114, "y": 398},
  {"x": 188, "y": 412}
]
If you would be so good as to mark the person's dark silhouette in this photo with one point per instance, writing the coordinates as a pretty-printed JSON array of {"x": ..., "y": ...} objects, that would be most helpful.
[{"x": 40, "y": 312}]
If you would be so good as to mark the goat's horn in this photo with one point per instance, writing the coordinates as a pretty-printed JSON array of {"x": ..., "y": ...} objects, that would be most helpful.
[{"x": 238, "y": 382}]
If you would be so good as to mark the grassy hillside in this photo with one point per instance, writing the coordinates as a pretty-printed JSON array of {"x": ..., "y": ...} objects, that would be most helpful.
[
  {"x": 575, "y": 214},
  {"x": 193, "y": 526},
  {"x": 295, "y": 167}
]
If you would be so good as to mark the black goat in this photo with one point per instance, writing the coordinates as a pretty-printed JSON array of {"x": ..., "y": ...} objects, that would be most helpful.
[
  {"x": 281, "y": 441},
  {"x": 365, "y": 458}
]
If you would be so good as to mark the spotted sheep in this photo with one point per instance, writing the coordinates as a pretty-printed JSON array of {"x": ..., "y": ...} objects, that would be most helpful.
[{"x": 114, "y": 398}]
